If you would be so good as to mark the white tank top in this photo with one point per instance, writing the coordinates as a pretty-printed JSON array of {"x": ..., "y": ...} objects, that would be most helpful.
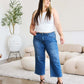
[{"x": 45, "y": 25}]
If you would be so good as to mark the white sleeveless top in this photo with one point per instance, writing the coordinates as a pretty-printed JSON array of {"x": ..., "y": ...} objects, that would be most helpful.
[{"x": 45, "y": 25}]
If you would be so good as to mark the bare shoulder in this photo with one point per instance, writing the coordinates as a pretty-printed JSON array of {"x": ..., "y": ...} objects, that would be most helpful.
[
  {"x": 34, "y": 12},
  {"x": 54, "y": 11},
  {"x": 56, "y": 16}
]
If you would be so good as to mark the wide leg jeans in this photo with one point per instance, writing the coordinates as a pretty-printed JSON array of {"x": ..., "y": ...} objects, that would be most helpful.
[{"x": 48, "y": 42}]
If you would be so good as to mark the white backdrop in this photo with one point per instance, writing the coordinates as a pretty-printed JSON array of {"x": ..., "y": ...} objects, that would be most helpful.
[{"x": 71, "y": 14}]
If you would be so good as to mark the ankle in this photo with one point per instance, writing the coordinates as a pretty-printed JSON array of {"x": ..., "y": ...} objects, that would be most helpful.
[
  {"x": 60, "y": 81},
  {"x": 42, "y": 78}
]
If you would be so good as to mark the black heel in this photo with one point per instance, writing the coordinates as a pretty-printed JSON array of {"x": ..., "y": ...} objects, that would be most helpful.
[
  {"x": 59, "y": 82},
  {"x": 42, "y": 81}
]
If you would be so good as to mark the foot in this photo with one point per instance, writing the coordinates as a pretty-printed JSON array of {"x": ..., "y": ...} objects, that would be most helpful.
[
  {"x": 42, "y": 81},
  {"x": 58, "y": 82}
]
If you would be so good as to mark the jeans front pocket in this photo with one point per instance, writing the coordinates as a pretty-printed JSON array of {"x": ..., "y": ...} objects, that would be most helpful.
[{"x": 37, "y": 36}]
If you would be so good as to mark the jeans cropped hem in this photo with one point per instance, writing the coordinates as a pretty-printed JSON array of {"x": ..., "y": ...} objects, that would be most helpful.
[
  {"x": 55, "y": 76},
  {"x": 39, "y": 73}
]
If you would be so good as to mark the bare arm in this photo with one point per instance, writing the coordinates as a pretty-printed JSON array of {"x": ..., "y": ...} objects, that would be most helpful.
[
  {"x": 57, "y": 22},
  {"x": 58, "y": 25},
  {"x": 32, "y": 25}
]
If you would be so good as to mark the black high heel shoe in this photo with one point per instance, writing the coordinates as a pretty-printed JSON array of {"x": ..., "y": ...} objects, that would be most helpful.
[
  {"x": 59, "y": 82},
  {"x": 42, "y": 81}
]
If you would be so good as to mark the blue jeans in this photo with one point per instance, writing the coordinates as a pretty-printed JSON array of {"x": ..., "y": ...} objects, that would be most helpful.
[{"x": 48, "y": 42}]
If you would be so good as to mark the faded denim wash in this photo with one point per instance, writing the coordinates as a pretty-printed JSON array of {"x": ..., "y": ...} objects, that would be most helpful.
[{"x": 48, "y": 42}]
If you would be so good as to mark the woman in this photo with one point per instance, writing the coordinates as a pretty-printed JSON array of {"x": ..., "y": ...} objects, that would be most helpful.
[{"x": 43, "y": 23}]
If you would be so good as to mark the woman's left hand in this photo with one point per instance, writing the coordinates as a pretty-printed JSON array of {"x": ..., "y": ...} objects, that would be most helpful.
[{"x": 62, "y": 39}]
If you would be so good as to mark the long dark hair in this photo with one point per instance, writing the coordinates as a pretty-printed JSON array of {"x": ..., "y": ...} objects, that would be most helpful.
[{"x": 39, "y": 11}]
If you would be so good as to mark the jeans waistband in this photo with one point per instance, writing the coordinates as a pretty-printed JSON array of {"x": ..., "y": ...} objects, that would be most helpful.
[{"x": 45, "y": 33}]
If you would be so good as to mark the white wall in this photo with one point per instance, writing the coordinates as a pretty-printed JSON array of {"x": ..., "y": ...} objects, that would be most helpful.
[
  {"x": 74, "y": 37},
  {"x": 71, "y": 14}
]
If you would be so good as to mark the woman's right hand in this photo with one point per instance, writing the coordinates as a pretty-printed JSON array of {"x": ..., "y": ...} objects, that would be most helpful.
[{"x": 33, "y": 32}]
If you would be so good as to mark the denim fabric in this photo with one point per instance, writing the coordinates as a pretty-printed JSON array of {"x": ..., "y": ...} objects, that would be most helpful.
[{"x": 48, "y": 42}]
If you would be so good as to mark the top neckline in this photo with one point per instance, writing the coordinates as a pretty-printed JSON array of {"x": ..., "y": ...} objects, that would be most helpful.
[{"x": 45, "y": 12}]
